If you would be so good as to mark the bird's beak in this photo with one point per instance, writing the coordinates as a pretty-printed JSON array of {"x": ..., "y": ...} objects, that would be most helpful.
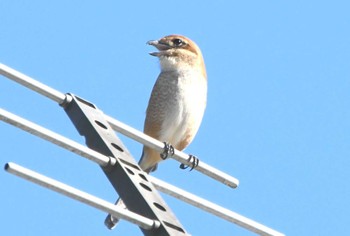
[
  {"x": 159, "y": 45},
  {"x": 153, "y": 42}
]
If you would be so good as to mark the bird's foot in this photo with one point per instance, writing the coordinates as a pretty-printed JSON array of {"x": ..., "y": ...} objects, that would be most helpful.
[
  {"x": 194, "y": 162},
  {"x": 167, "y": 150}
]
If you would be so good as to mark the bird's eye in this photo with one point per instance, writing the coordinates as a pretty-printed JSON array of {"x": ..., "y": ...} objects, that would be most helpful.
[{"x": 178, "y": 42}]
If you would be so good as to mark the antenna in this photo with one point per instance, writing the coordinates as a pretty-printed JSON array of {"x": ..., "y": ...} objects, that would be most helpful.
[{"x": 145, "y": 207}]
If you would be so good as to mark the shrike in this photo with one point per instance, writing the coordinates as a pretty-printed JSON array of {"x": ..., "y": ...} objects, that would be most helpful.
[{"x": 178, "y": 99}]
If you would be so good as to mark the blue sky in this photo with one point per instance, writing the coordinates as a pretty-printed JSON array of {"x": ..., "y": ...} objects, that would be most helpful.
[{"x": 277, "y": 119}]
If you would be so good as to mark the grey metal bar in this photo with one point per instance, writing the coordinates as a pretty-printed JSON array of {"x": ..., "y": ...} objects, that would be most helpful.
[
  {"x": 32, "y": 84},
  {"x": 53, "y": 137},
  {"x": 126, "y": 177},
  {"x": 81, "y": 196},
  {"x": 178, "y": 155}
]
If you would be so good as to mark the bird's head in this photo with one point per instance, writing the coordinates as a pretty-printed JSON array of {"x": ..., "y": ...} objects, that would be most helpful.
[{"x": 176, "y": 51}]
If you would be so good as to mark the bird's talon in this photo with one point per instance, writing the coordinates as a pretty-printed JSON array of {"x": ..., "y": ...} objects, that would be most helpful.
[
  {"x": 194, "y": 162},
  {"x": 167, "y": 150}
]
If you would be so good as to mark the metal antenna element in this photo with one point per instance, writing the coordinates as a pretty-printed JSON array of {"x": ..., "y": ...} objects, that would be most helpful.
[{"x": 80, "y": 196}]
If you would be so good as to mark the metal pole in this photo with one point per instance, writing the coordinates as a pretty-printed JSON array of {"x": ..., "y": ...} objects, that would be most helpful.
[
  {"x": 118, "y": 126},
  {"x": 81, "y": 196},
  {"x": 53, "y": 137},
  {"x": 179, "y": 156},
  {"x": 32, "y": 84}
]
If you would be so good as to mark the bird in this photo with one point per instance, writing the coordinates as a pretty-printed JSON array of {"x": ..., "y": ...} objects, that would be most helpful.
[
  {"x": 178, "y": 99},
  {"x": 177, "y": 102}
]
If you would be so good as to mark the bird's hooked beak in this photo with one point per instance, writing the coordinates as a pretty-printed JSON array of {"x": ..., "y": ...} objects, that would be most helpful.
[{"x": 161, "y": 46}]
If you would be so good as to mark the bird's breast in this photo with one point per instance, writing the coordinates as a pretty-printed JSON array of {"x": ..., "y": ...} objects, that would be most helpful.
[{"x": 184, "y": 104}]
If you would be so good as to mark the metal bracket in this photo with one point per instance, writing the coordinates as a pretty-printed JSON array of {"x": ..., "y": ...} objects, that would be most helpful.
[{"x": 131, "y": 183}]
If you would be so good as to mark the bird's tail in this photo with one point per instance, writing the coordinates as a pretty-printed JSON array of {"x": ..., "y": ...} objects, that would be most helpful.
[
  {"x": 111, "y": 221},
  {"x": 145, "y": 165}
]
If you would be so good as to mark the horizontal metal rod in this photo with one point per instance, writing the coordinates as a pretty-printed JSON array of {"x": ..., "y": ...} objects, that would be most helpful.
[
  {"x": 213, "y": 208},
  {"x": 53, "y": 137},
  {"x": 120, "y": 127},
  {"x": 178, "y": 155},
  {"x": 32, "y": 84},
  {"x": 81, "y": 196},
  {"x": 103, "y": 160}
]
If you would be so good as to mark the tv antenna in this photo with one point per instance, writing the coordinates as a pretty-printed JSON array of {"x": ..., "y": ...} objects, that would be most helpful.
[{"x": 145, "y": 206}]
